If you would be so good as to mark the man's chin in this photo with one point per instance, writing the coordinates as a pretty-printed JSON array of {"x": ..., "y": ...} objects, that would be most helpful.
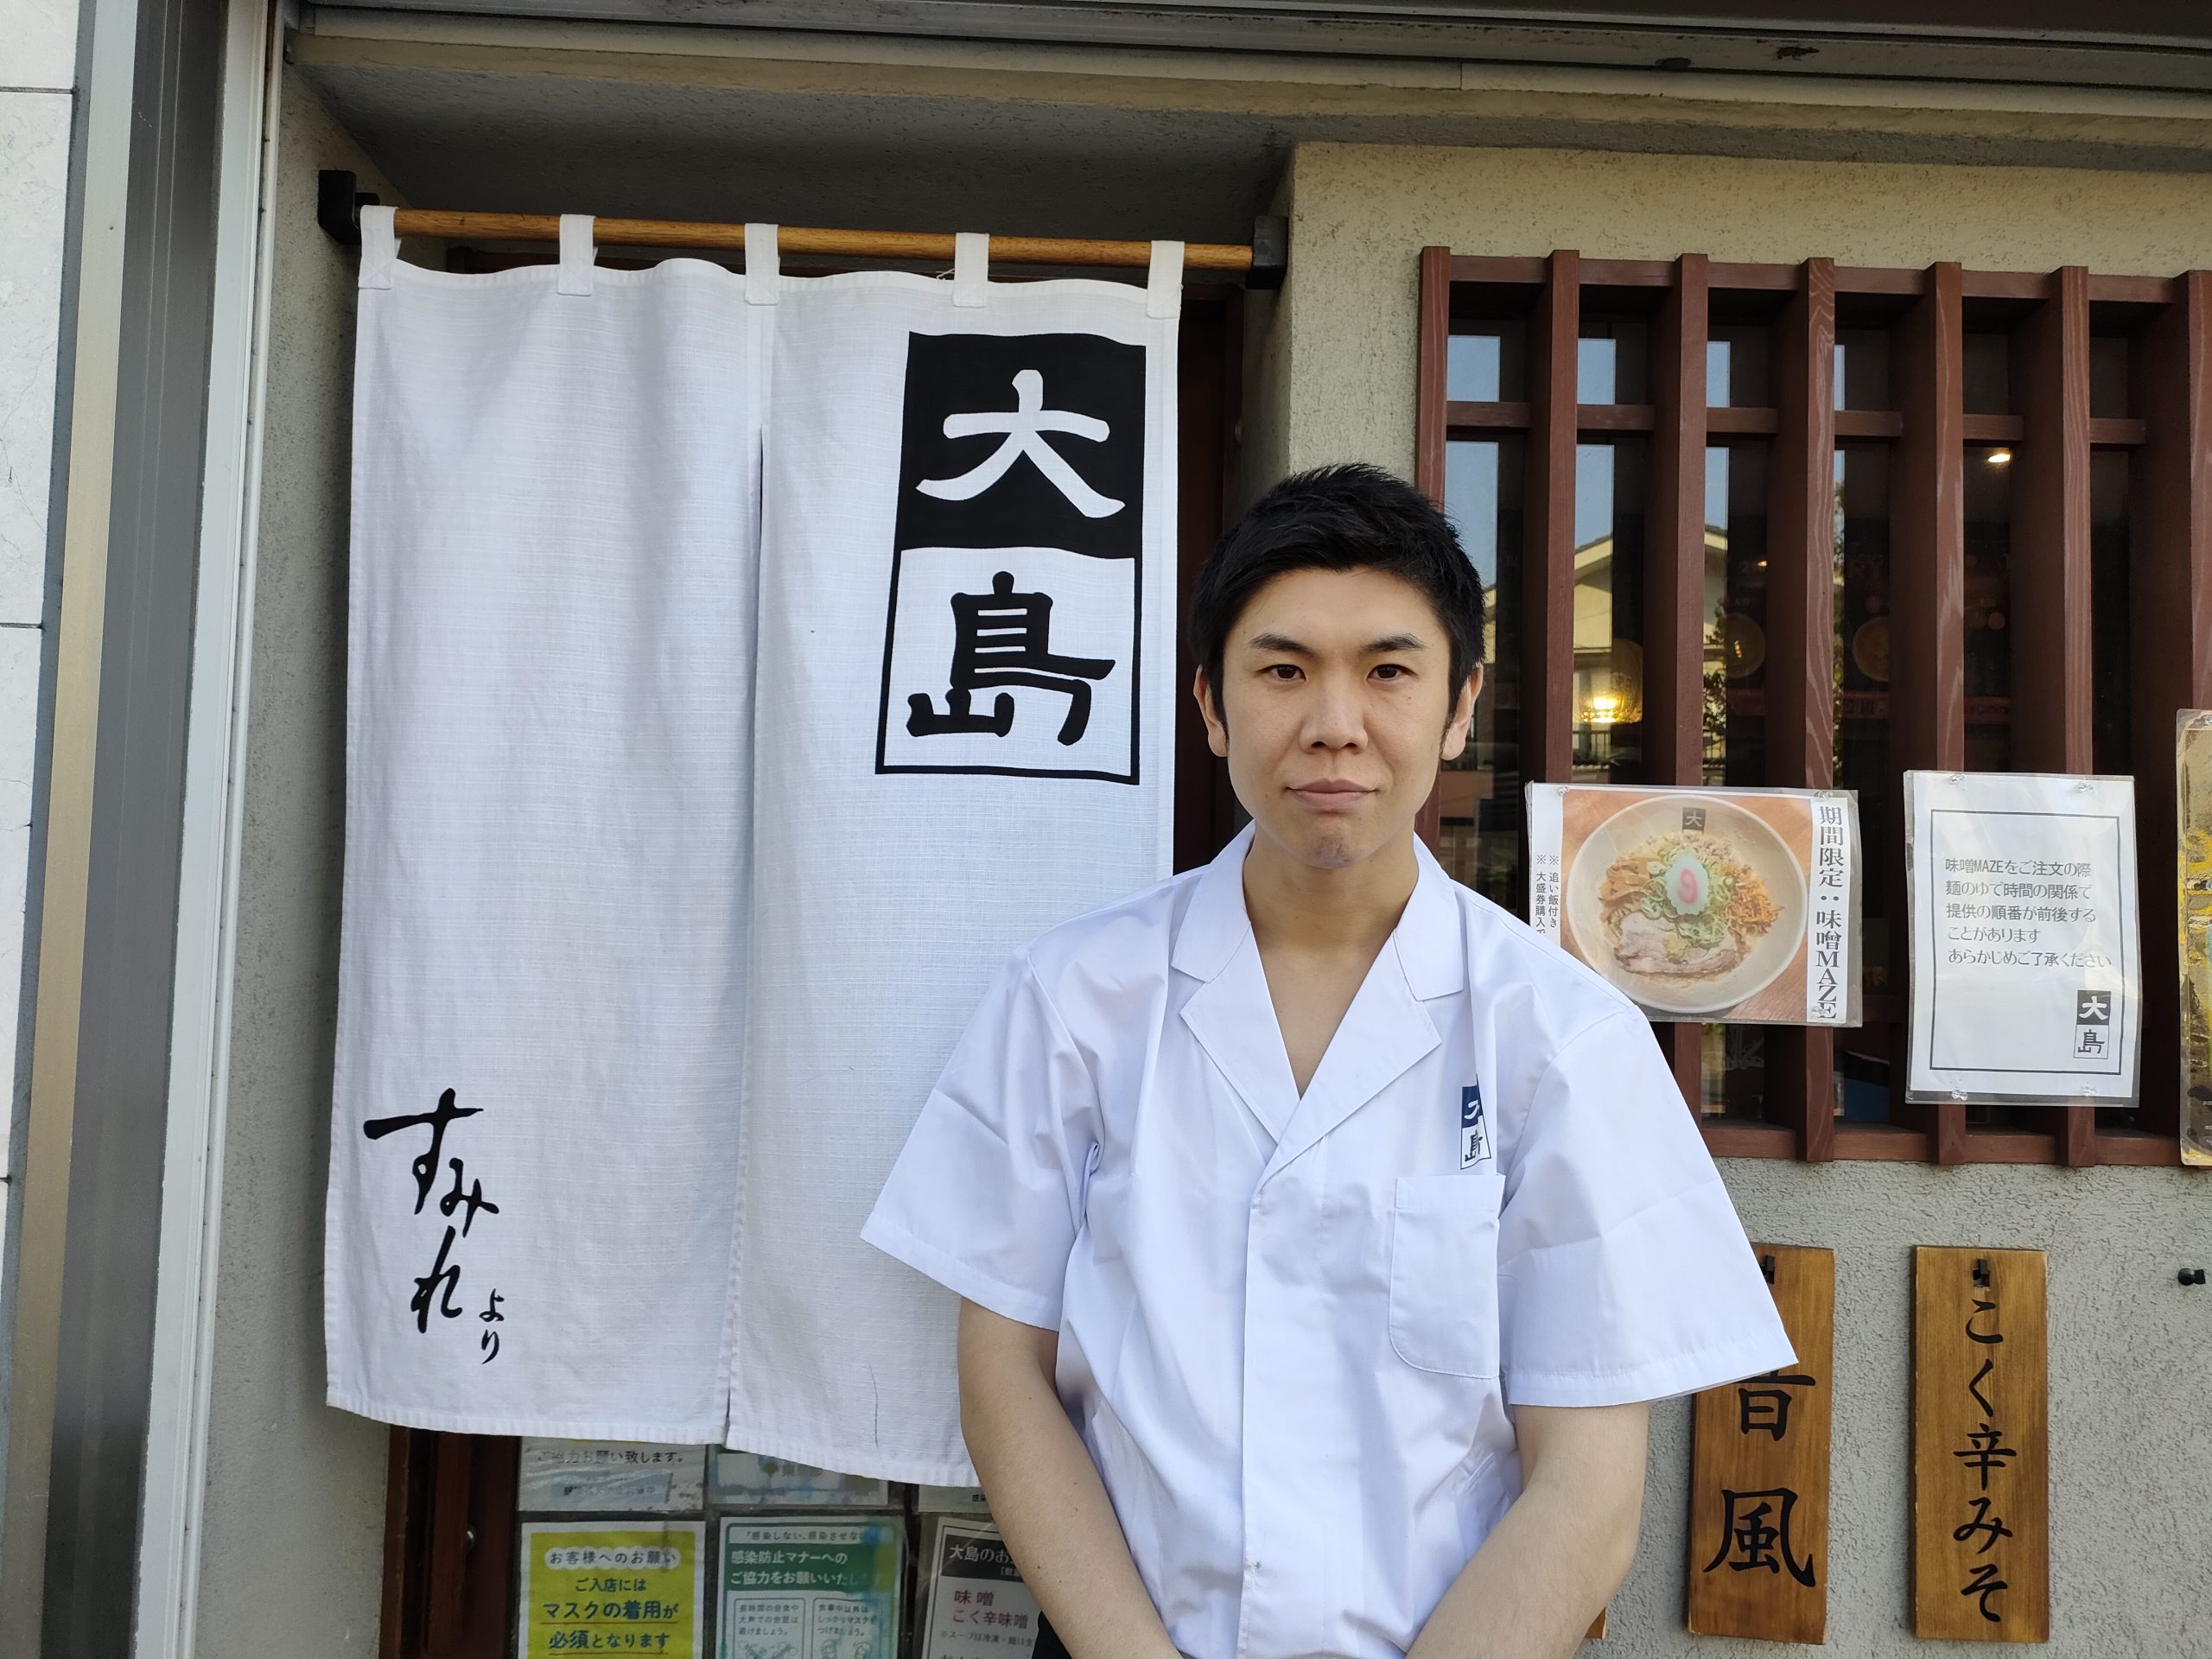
[{"x": 1335, "y": 843}]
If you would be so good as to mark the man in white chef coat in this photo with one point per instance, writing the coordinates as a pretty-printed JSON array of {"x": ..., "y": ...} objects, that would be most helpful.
[{"x": 1321, "y": 1232}]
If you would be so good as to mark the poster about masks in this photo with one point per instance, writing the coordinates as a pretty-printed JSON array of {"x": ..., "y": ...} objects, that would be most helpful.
[
  {"x": 1728, "y": 907},
  {"x": 606, "y": 1588},
  {"x": 811, "y": 1590}
]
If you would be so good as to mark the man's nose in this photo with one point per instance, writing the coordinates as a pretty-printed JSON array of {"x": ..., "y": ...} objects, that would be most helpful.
[{"x": 1334, "y": 720}]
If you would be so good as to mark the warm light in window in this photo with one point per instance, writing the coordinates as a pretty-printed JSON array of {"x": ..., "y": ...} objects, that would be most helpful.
[
  {"x": 1604, "y": 709},
  {"x": 1998, "y": 457}
]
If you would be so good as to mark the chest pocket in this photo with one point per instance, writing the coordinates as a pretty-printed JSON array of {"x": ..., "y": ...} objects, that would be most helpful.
[{"x": 1444, "y": 1272}]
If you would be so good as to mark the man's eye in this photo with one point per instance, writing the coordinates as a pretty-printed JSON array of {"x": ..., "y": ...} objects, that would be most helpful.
[
  {"x": 1283, "y": 671},
  {"x": 1390, "y": 671}
]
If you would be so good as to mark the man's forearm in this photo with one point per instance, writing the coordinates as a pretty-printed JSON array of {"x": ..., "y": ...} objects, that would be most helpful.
[
  {"x": 1546, "y": 1571},
  {"x": 1046, "y": 1495}
]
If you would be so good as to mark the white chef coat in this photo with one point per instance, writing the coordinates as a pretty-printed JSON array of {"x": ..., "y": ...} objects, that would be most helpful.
[{"x": 1290, "y": 1326}]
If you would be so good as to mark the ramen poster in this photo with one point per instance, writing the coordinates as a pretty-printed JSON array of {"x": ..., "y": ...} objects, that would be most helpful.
[{"x": 1736, "y": 907}]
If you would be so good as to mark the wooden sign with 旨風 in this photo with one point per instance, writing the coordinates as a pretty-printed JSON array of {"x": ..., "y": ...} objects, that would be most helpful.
[
  {"x": 1759, "y": 1473},
  {"x": 1980, "y": 1447}
]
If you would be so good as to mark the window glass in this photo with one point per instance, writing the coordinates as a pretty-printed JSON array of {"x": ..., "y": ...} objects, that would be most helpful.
[
  {"x": 1608, "y": 696},
  {"x": 1735, "y": 614},
  {"x": 1989, "y": 469},
  {"x": 1486, "y": 361},
  {"x": 1987, "y": 373},
  {"x": 1862, "y": 745},
  {"x": 2110, "y": 395},
  {"x": 1613, "y": 365},
  {"x": 1736, "y": 366},
  {"x": 1481, "y": 791},
  {"x": 2112, "y": 733},
  {"x": 1862, "y": 368}
]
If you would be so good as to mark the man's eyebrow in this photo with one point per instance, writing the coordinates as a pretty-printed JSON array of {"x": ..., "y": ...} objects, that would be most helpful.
[{"x": 1382, "y": 647}]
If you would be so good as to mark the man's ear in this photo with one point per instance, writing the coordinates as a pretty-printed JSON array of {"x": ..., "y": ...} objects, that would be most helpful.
[
  {"x": 1217, "y": 733},
  {"x": 1463, "y": 715}
]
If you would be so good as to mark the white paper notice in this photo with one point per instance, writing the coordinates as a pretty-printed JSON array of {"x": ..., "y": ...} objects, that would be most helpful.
[
  {"x": 610, "y": 1477},
  {"x": 977, "y": 1603},
  {"x": 2026, "y": 969}
]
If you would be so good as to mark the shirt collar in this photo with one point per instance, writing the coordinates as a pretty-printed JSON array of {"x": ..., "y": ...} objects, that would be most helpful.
[{"x": 1429, "y": 939}]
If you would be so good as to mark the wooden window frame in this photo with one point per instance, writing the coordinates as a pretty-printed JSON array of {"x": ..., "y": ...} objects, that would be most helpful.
[{"x": 2169, "y": 563}]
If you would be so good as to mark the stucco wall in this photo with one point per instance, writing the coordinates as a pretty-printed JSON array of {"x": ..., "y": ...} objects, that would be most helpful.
[
  {"x": 292, "y": 1551},
  {"x": 2130, "y": 1484},
  {"x": 1362, "y": 213}
]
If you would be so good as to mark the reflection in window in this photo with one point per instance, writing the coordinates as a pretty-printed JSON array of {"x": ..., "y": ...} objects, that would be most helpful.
[
  {"x": 2110, "y": 733},
  {"x": 1480, "y": 793},
  {"x": 1736, "y": 366},
  {"x": 1732, "y": 1071},
  {"x": 1732, "y": 1059},
  {"x": 1986, "y": 373},
  {"x": 1988, "y": 606},
  {"x": 1486, "y": 361},
  {"x": 1735, "y": 616},
  {"x": 1608, "y": 694},
  {"x": 2110, "y": 398},
  {"x": 1862, "y": 743},
  {"x": 1612, "y": 361},
  {"x": 1862, "y": 368}
]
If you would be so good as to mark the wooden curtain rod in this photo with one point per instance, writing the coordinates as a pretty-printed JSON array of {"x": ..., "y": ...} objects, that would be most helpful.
[{"x": 1261, "y": 263}]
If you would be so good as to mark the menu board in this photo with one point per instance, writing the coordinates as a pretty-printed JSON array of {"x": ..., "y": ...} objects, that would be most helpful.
[
  {"x": 977, "y": 1603},
  {"x": 600, "y": 1476},
  {"x": 809, "y": 1589},
  {"x": 596, "y": 1588},
  {"x": 746, "y": 1478},
  {"x": 2026, "y": 960},
  {"x": 1727, "y": 906},
  {"x": 2193, "y": 767}
]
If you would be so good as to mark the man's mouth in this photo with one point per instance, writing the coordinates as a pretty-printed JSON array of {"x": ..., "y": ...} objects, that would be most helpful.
[{"x": 1327, "y": 794}]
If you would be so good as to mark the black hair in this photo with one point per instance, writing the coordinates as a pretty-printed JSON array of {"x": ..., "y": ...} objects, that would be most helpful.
[{"x": 1348, "y": 516}]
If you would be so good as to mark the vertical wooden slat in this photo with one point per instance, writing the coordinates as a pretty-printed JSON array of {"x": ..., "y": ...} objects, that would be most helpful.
[
  {"x": 494, "y": 1464},
  {"x": 1673, "y": 585},
  {"x": 2169, "y": 596},
  {"x": 399, "y": 1623},
  {"x": 2050, "y": 688},
  {"x": 1431, "y": 376},
  {"x": 446, "y": 1598},
  {"x": 1548, "y": 575},
  {"x": 1927, "y": 602},
  {"x": 1800, "y": 641},
  {"x": 1431, "y": 371}
]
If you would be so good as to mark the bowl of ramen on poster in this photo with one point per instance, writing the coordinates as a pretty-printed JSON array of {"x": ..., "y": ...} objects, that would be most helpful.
[{"x": 1701, "y": 904}]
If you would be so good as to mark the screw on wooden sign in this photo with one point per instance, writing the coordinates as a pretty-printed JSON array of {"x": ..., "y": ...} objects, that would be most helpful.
[
  {"x": 1980, "y": 1447},
  {"x": 1759, "y": 1473}
]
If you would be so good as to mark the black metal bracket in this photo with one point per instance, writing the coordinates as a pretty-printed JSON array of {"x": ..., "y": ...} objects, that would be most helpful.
[
  {"x": 1766, "y": 1268},
  {"x": 2192, "y": 1275},
  {"x": 1270, "y": 252},
  {"x": 338, "y": 205},
  {"x": 1981, "y": 1271}
]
